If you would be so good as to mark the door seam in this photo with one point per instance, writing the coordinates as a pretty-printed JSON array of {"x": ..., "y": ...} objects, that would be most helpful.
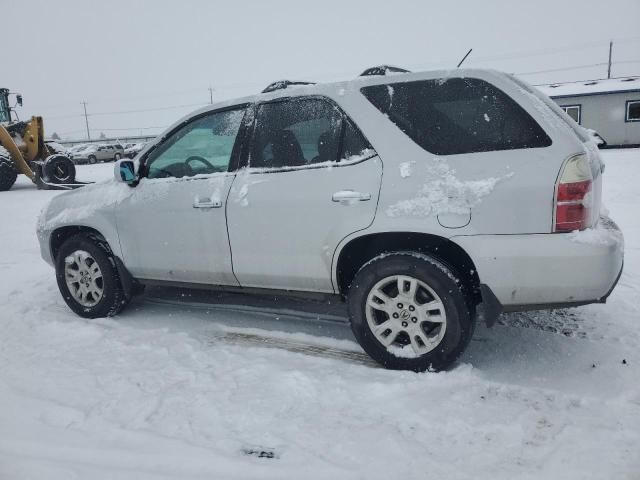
[{"x": 226, "y": 222}]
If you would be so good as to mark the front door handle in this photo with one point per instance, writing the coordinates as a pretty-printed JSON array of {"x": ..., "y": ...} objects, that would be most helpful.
[
  {"x": 349, "y": 196},
  {"x": 206, "y": 203}
]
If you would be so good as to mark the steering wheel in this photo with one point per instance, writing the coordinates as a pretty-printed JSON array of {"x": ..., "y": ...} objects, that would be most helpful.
[{"x": 204, "y": 161}]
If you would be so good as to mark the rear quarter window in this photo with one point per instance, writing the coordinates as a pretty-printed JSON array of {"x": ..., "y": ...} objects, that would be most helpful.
[{"x": 457, "y": 115}]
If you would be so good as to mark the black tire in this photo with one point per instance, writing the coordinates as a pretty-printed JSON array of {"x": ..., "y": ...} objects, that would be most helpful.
[
  {"x": 8, "y": 174},
  {"x": 117, "y": 157},
  {"x": 59, "y": 169},
  {"x": 460, "y": 317},
  {"x": 92, "y": 159},
  {"x": 113, "y": 299}
]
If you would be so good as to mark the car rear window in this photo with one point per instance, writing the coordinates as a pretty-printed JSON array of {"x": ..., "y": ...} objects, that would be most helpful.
[{"x": 457, "y": 115}]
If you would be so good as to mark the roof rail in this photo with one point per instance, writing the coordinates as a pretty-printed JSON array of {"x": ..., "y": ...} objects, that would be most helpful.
[
  {"x": 382, "y": 70},
  {"x": 281, "y": 84}
]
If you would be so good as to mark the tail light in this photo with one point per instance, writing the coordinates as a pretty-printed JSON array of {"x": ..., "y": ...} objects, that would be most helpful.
[{"x": 574, "y": 200}]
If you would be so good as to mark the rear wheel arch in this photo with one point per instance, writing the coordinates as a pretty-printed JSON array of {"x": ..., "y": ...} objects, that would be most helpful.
[{"x": 358, "y": 251}]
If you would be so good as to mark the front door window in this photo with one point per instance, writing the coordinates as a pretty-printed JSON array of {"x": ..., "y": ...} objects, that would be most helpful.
[{"x": 201, "y": 147}]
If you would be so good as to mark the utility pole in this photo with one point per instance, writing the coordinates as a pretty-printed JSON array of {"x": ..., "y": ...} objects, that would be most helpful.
[
  {"x": 210, "y": 95},
  {"x": 86, "y": 119},
  {"x": 609, "y": 68}
]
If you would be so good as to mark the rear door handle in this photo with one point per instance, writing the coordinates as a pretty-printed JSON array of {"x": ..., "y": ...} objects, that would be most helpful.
[
  {"x": 206, "y": 203},
  {"x": 347, "y": 196}
]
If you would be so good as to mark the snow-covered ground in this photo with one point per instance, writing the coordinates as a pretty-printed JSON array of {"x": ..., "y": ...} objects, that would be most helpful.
[{"x": 191, "y": 391}]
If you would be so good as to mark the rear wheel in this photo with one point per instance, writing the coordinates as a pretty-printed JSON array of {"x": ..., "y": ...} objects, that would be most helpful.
[
  {"x": 409, "y": 312},
  {"x": 88, "y": 277},
  {"x": 8, "y": 174},
  {"x": 59, "y": 169},
  {"x": 117, "y": 157},
  {"x": 92, "y": 159}
]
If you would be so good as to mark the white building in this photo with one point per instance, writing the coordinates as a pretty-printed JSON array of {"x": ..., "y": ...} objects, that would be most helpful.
[{"x": 611, "y": 107}]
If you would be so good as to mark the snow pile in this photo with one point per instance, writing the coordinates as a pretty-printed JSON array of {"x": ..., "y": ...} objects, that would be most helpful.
[
  {"x": 600, "y": 234},
  {"x": 406, "y": 168},
  {"x": 168, "y": 392},
  {"x": 444, "y": 193}
]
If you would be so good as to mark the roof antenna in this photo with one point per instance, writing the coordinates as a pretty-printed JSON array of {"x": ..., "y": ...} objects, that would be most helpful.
[{"x": 464, "y": 58}]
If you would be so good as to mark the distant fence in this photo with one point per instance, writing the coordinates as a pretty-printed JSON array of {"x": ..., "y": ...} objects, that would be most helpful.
[{"x": 127, "y": 139}]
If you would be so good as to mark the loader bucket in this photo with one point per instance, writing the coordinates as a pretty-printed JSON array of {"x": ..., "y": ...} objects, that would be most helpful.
[{"x": 19, "y": 162}]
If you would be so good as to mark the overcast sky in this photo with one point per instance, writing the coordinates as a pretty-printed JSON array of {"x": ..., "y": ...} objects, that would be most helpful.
[{"x": 140, "y": 65}]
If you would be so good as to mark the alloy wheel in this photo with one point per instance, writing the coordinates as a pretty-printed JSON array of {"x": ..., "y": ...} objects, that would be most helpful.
[
  {"x": 83, "y": 277},
  {"x": 406, "y": 315}
]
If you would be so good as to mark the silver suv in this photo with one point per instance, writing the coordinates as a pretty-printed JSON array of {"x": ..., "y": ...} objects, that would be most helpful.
[
  {"x": 423, "y": 200},
  {"x": 98, "y": 153}
]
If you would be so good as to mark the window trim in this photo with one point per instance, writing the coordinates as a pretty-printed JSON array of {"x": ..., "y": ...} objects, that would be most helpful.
[
  {"x": 574, "y": 105},
  {"x": 235, "y": 153},
  {"x": 626, "y": 111},
  {"x": 344, "y": 117}
]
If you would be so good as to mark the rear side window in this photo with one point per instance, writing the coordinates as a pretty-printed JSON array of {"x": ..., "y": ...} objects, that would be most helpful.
[{"x": 457, "y": 115}]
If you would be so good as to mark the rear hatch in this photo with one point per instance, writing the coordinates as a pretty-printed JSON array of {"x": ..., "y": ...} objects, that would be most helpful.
[{"x": 589, "y": 144}]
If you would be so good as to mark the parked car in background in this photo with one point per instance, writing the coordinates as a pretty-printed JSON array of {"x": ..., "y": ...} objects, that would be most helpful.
[
  {"x": 132, "y": 150},
  {"x": 94, "y": 153},
  {"x": 76, "y": 148},
  {"x": 490, "y": 201}
]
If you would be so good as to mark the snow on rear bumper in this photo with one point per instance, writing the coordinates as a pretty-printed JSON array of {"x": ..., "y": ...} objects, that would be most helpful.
[{"x": 544, "y": 270}]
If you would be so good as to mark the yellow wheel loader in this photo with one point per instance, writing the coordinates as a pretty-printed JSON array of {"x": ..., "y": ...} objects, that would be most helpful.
[{"x": 23, "y": 151}]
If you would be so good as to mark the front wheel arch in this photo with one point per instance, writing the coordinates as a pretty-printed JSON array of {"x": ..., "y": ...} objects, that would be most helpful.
[
  {"x": 130, "y": 285},
  {"x": 60, "y": 235}
]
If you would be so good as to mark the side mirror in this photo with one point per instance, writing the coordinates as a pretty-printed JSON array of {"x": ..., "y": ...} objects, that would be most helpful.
[
  {"x": 19, "y": 99},
  {"x": 125, "y": 171}
]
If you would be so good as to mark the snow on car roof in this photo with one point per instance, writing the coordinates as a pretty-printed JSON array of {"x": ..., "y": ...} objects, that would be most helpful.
[{"x": 591, "y": 87}]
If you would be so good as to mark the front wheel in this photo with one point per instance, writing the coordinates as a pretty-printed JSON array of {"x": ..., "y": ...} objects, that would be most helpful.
[
  {"x": 92, "y": 159},
  {"x": 117, "y": 157},
  {"x": 408, "y": 311},
  {"x": 88, "y": 277}
]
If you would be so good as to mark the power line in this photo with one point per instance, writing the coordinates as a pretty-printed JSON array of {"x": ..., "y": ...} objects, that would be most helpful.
[
  {"x": 575, "y": 67},
  {"x": 132, "y": 98},
  {"x": 578, "y": 67},
  {"x": 171, "y": 107},
  {"x": 120, "y": 112},
  {"x": 130, "y": 128}
]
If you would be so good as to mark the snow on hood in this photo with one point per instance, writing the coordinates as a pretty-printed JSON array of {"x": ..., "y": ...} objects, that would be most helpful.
[{"x": 76, "y": 206}]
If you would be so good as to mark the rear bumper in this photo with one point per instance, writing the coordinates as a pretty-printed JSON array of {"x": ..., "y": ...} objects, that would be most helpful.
[{"x": 539, "y": 271}]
